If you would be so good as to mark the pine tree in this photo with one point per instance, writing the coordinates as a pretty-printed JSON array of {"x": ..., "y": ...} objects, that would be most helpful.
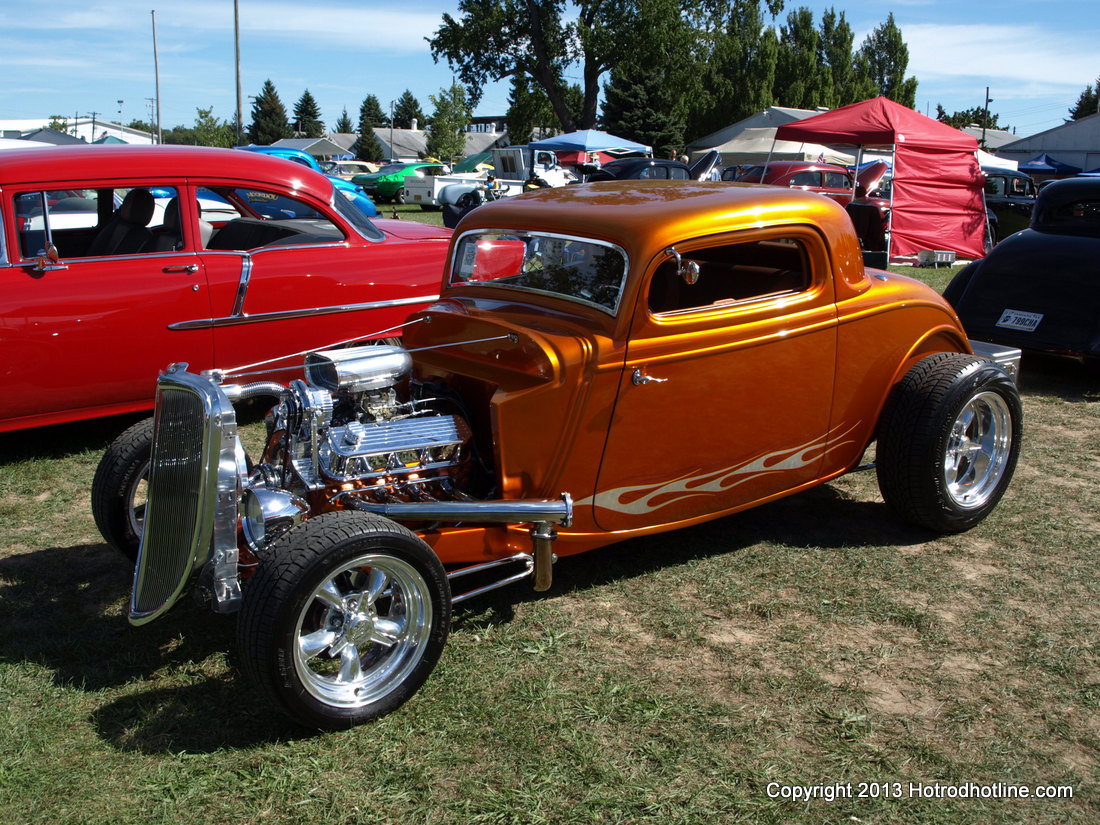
[
  {"x": 269, "y": 121},
  {"x": 367, "y": 146},
  {"x": 307, "y": 117},
  {"x": 406, "y": 110},
  {"x": 450, "y": 120},
  {"x": 343, "y": 125},
  {"x": 1088, "y": 103},
  {"x": 636, "y": 107},
  {"x": 370, "y": 112}
]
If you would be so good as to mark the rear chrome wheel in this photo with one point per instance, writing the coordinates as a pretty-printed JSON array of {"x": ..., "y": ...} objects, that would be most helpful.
[
  {"x": 979, "y": 450},
  {"x": 948, "y": 441}
]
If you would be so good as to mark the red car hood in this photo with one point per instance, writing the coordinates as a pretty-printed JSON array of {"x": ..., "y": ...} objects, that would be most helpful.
[
  {"x": 869, "y": 178},
  {"x": 412, "y": 230}
]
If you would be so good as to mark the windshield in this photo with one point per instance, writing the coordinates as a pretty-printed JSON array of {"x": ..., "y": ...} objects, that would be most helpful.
[{"x": 577, "y": 269}]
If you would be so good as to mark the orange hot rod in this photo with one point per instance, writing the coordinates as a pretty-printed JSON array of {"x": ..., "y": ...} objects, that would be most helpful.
[{"x": 604, "y": 361}]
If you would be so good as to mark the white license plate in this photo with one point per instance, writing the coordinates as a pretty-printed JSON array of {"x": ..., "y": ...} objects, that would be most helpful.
[{"x": 1018, "y": 319}]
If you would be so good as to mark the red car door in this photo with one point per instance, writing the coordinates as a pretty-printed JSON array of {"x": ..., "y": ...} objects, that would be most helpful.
[{"x": 92, "y": 330}]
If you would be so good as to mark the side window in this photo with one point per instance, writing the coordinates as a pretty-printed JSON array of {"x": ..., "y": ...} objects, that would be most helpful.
[
  {"x": 267, "y": 218},
  {"x": 653, "y": 172},
  {"x": 1022, "y": 187},
  {"x": 99, "y": 222},
  {"x": 995, "y": 185},
  {"x": 730, "y": 274},
  {"x": 837, "y": 180},
  {"x": 806, "y": 179},
  {"x": 676, "y": 173}
]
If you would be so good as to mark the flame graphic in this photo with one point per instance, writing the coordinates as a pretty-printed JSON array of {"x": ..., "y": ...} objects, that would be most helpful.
[{"x": 648, "y": 498}]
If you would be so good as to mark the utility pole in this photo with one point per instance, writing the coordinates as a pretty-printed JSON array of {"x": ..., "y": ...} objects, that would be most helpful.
[
  {"x": 156, "y": 73},
  {"x": 237, "y": 55},
  {"x": 985, "y": 120}
]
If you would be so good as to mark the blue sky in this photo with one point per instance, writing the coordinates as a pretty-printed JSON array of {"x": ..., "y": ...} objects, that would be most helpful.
[{"x": 78, "y": 56}]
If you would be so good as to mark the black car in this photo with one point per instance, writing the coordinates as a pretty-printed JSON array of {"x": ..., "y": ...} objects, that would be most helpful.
[
  {"x": 653, "y": 169},
  {"x": 1009, "y": 198},
  {"x": 1040, "y": 288}
]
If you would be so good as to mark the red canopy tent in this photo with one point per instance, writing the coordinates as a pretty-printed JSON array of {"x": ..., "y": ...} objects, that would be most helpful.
[{"x": 938, "y": 199}]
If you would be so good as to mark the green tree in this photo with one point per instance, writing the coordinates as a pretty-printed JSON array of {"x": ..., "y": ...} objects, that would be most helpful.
[
  {"x": 367, "y": 146},
  {"x": 450, "y": 119},
  {"x": 371, "y": 112},
  {"x": 733, "y": 72},
  {"x": 269, "y": 120},
  {"x": 977, "y": 116},
  {"x": 801, "y": 78},
  {"x": 406, "y": 110},
  {"x": 637, "y": 107},
  {"x": 307, "y": 117},
  {"x": 836, "y": 55},
  {"x": 1088, "y": 103},
  {"x": 58, "y": 123},
  {"x": 343, "y": 125},
  {"x": 529, "y": 110},
  {"x": 496, "y": 40},
  {"x": 184, "y": 135},
  {"x": 883, "y": 59},
  {"x": 209, "y": 131}
]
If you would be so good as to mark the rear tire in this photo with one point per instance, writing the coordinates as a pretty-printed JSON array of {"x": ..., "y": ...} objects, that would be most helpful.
[
  {"x": 119, "y": 488},
  {"x": 948, "y": 441},
  {"x": 400, "y": 197},
  {"x": 344, "y": 619}
]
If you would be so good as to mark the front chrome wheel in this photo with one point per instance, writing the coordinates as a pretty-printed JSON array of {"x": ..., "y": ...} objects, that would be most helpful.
[
  {"x": 344, "y": 619},
  {"x": 362, "y": 631}
]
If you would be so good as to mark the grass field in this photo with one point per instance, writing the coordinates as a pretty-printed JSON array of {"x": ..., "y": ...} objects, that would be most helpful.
[{"x": 685, "y": 678}]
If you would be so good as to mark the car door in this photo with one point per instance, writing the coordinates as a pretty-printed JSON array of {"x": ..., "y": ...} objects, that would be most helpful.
[
  {"x": 725, "y": 398},
  {"x": 88, "y": 327}
]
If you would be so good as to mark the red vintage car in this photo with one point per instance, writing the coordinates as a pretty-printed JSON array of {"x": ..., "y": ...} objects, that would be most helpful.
[
  {"x": 605, "y": 362},
  {"x": 130, "y": 257},
  {"x": 828, "y": 179}
]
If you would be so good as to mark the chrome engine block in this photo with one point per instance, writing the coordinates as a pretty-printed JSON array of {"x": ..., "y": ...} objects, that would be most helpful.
[{"x": 352, "y": 423}]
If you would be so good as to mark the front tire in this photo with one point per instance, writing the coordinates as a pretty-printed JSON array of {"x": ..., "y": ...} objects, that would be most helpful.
[
  {"x": 344, "y": 619},
  {"x": 948, "y": 441},
  {"x": 119, "y": 488}
]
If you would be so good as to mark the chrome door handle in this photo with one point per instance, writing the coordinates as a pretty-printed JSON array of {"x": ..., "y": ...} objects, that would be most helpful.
[
  {"x": 189, "y": 268},
  {"x": 639, "y": 378}
]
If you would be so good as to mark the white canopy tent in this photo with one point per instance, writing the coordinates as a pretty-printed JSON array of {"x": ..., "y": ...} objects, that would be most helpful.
[{"x": 752, "y": 146}]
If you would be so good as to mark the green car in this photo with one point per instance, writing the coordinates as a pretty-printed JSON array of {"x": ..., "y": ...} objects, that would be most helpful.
[{"x": 388, "y": 183}]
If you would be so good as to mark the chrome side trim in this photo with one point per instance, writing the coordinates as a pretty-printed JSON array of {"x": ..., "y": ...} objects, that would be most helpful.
[
  {"x": 242, "y": 285},
  {"x": 312, "y": 312}
]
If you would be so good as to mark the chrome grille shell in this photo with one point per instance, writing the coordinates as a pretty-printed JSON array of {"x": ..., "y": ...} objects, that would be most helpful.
[{"x": 195, "y": 436}]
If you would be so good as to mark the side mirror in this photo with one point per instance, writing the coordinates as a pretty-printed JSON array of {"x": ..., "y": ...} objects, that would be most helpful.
[
  {"x": 48, "y": 259},
  {"x": 688, "y": 270}
]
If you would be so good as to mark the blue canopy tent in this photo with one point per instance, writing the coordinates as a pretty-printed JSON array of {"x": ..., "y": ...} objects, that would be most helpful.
[
  {"x": 589, "y": 140},
  {"x": 1046, "y": 165}
]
